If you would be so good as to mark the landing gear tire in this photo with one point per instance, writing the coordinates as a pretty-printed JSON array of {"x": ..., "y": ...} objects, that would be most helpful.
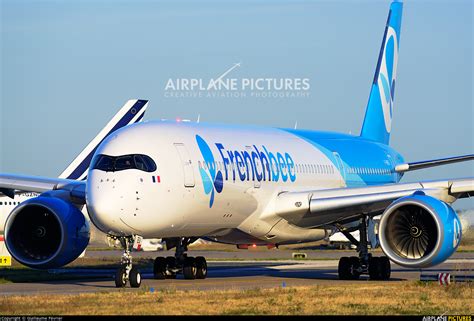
[
  {"x": 379, "y": 268},
  {"x": 374, "y": 268},
  {"x": 189, "y": 269},
  {"x": 159, "y": 268},
  {"x": 135, "y": 278},
  {"x": 355, "y": 267},
  {"x": 344, "y": 268},
  {"x": 126, "y": 272},
  {"x": 170, "y": 266},
  {"x": 386, "y": 268},
  {"x": 121, "y": 277},
  {"x": 201, "y": 267},
  {"x": 349, "y": 268}
]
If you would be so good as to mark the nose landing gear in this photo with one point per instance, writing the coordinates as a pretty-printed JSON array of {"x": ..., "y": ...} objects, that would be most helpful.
[
  {"x": 127, "y": 272},
  {"x": 191, "y": 267},
  {"x": 350, "y": 268}
]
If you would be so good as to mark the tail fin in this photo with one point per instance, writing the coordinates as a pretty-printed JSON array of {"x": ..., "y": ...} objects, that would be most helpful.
[
  {"x": 378, "y": 115},
  {"x": 131, "y": 112}
]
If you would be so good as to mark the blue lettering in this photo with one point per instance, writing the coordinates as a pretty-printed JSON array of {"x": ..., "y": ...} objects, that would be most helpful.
[
  {"x": 273, "y": 165},
  {"x": 255, "y": 159},
  {"x": 291, "y": 167},
  {"x": 282, "y": 166},
  {"x": 231, "y": 156},
  {"x": 265, "y": 164},
  {"x": 248, "y": 161},
  {"x": 240, "y": 163}
]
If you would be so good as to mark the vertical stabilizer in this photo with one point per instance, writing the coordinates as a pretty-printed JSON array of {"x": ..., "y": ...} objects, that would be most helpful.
[
  {"x": 378, "y": 115},
  {"x": 132, "y": 112}
]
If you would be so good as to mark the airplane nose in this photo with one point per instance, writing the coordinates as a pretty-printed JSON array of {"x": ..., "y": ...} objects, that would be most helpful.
[
  {"x": 102, "y": 204},
  {"x": 101, "y": 215}
]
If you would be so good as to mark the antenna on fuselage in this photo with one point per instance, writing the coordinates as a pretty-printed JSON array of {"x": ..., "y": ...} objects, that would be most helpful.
[
  {"x": 199, "y": 118},
  {"x": 296, "y": 124}
]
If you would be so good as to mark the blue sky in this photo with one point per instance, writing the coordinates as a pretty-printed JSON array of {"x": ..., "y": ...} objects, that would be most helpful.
[{"x": 67, "y": 66}]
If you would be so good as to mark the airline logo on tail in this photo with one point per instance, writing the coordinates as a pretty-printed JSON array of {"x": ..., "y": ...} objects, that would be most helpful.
[
  {"x": 387, "y": 75},
  {"x": 378, "y": 116}
]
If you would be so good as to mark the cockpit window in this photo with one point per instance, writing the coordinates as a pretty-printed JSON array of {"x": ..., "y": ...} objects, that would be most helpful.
[
  {"x": 124, "y": 162},
  {"x": 119, "y": 163},
  {"x": 104, "y": 162}
]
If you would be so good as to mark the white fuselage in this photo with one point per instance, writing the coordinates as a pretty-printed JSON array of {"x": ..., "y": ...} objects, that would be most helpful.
[{"x": 210, "y": 181}]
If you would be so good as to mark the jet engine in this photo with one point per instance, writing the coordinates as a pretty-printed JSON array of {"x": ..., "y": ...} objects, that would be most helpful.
[
  {"x": 46, "y": 232},
  {"x": 419, "y": 231}
]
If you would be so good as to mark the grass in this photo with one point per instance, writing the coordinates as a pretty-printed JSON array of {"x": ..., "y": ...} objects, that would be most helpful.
[{"x": 379, "y": 298}]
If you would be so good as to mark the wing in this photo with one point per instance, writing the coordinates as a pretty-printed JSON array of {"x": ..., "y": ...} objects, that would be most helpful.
[
  {"x": 12, "y": 183},
  {"x": 315, "y": 208}
]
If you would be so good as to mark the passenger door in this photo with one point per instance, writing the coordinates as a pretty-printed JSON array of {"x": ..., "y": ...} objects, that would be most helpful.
[{"x": 186, "y": 163}]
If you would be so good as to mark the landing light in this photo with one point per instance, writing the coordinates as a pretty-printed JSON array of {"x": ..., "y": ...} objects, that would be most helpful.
[{"x": 182, "y": 120}]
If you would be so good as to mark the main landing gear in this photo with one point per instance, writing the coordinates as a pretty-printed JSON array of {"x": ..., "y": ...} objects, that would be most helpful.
[
  {"x": 127, "y": 272},
  {"x": 350, "y": 268},
  {"x": 191, "y": 267}
]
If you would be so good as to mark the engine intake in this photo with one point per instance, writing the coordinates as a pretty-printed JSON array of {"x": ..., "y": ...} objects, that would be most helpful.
[
  {"x": 46, "y": 232},
  {"x": 411, "y": 232},
  {"x": 419, "y": 231}
]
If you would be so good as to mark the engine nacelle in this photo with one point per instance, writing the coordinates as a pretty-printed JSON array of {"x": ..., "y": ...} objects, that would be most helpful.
[
  {"x": 419, "y": 231},
  {"x": 46, "y": 232}
]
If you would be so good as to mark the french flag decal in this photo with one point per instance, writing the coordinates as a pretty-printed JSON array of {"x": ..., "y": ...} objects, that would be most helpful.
[{"x": 156, "y": 179}]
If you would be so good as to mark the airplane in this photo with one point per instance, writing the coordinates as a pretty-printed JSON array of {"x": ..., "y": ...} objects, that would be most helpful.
[
  {"x": 131, "y": 112},
  {"x": 243, "y": 185}
]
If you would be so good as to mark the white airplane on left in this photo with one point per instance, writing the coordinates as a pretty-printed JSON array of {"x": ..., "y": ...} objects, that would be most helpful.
[{"x": 132, "y": 112}]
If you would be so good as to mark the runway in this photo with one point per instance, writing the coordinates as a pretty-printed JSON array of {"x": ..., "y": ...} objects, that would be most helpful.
[{"x": 230, "y": 274}]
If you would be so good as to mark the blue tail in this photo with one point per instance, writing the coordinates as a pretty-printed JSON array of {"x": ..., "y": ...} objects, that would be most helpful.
[{"x": 378, "y": 116}]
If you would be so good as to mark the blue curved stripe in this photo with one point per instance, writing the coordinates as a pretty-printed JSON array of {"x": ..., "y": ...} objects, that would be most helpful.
[{"x": 389, "y": 52}]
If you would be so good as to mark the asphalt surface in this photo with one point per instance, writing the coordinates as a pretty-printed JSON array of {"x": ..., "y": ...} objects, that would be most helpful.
[{"x": 255, "y": 271}]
